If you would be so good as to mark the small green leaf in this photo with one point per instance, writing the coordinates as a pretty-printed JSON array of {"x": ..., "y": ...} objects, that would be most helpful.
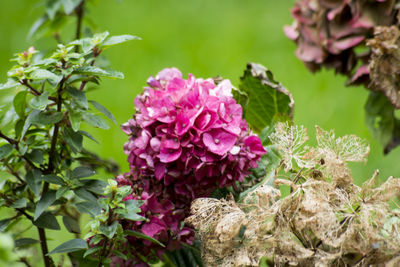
[
  {"x": 109, "y": 230},
  {"x": 121, "y": 255},
  {"x": 84, "y": 194},
  {"x": 42, "y": 74},
  {"x": 45, "y": 201},
  {"x": 268, "y": 101},
  {"x": 103, "y": 110},
  {"x": 36, "y": 156},
  {"x": 74, "y": 139},
  {"x": 88, "y": 135},
  {"x": 9, "y": 84},
  {"x": 47, "y": 220},
  {"x": 143, "y": 236},
  {"x": 90, "y": 207},
  {"x": 40, "y": 102},
  {"x": 133, "y": 217},
  {"x": 70, "y": 246},
  {"x": 78, "y": 96},
  {"x": 4, "y": 223},
  {"x": 52, "y": 8},
  {"x": 90, "y": 251},
  {"x": 5, "y": 150},
  {"x": 82, "y": 172},
  {"x": 33, "y": 179},
  {"x": 95, "y": 121},
  {"x": 28, "y": 122},
  {"x": 20, "y": 103},
  {"x": 23, "y": 242},
  {"x": 95, "y": 186},
  {"x": 61, "y": 191},
  {"x": 46, "y": 117},
  {"x": 20, "y": 203},
  {"x": 119, "y": 39},
  {"x": 71, "y": 224},
  {"x": 53, "y": 179},
  {"x": 92, "y": 70},
  {"x": 75, "y": 118}
]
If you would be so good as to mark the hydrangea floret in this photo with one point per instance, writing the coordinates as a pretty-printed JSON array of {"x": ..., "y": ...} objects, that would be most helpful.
[{"x": 187, "y": 138}]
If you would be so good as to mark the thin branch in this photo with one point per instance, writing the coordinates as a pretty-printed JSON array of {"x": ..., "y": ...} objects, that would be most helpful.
[
  {"x": 80, "y": 10},
  {"x": 45, "y": 250},
  {"x": 33, "y": 90}
]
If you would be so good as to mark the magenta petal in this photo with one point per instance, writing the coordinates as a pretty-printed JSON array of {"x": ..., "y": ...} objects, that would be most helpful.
[
  {"x": 254, "y": 143},
  {"x": 169, "y": 155},
  {"x": 154, "y": 227},
  {"x": 219, "y": 141}
]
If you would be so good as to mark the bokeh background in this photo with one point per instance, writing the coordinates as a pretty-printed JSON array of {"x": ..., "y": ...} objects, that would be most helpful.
[{"x": 206, "y": 38}]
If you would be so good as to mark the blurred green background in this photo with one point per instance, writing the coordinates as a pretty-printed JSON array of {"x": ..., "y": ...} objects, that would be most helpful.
[{"x": 206, "y": 38}]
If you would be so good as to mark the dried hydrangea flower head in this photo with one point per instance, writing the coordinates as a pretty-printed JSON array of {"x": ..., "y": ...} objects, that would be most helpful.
[
  {"x": 327, "y": 32},
  {"x": 187, "y": 138}
]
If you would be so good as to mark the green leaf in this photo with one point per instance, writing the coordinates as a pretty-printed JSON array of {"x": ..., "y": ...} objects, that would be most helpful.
[
  {"x": 20, "y": 103},
  {"x": 42, "y": 74},
  {"x": 5, "y": 150},
  {"x": 70, "y": 246},
  {"x": 78, "y": 96},
  {"x": 84, "y": 194},
  {"x": 114, "y": 40},
  {"x": 33, "y": 179},
  {"x": 109, "y": 230},
  {"x": 74, "y": 139},
  {"x": 143, "y": 236},
  {"x": 40, "y": 102},
  {"x": 70, "y": 5},
  {"x": 95, "y": 121},
  {"x": 23, "y": 242},
  {"x": 36, "y": 156},
  {"x": 88, "y": 135},
  {"x": 90, "y": 251},
  {"x": 28, "y": 122},
  {"x": 103, "y": 110},
  {"x": 92, "y": 70},
  {"x": 52, "y": 7},
  {"x": 4, "y": 223},
  {"x": 95, "y": 186},
  {"x": 71, "y": 224},
  {"x": 47, "y": 220},
  {"x": 53, "y": 179},
  {"x": 20, "y": 203},
  {"x": 268, "y": 101},
  {"x": 45, "y": 201},
  {"x": 133, "y": 217},
  {"x": 61, "y": 191},
  {"x": 75, "y": 118},
  {"x": 46, "y": 117},
  {"x": 9, "y": 84},
  {"x": 381, "y": 121},
  {"x": 90, "y": 207},
  {"x": 37, "y": 25},
  {"x": 82, "y": 172},
  {"x": 121, "y": 255}
]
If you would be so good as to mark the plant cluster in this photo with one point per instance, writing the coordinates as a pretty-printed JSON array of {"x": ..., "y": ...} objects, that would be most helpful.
[
  {"x": 358, "y": 39},
  {"x": 326, "y": 220}
]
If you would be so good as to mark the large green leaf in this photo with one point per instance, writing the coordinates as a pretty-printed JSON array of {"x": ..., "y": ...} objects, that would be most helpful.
[
  {"x": 267, "y": 100},
  {"x": 70, "y": 246},
  {"x": 40, "y": 102},
  {"x": 20, "y": 103},
  {"x": 71, "y": 224},
  {"x": 46, "y": 117},
  {"x": 95, "y": 120},
  {"x": 104, "y": 110},
  {"x": 5, "y": 150},
  {"x": 33, "y": 179},
  {"x": 381, "y": 120},
  {"x": 47, "y": 220},
  {"x": 45, "y": 201},
  {"x": 92, "y": 70},
  {"x": 82, "y": 172},
  {"x": 114, "y": 40},
  {"x": 109, "y": 230},
  {"x": 42, "y": 74}
]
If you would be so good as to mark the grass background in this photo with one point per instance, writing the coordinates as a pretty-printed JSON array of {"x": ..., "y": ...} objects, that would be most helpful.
[{"x": 206, "y": 38}]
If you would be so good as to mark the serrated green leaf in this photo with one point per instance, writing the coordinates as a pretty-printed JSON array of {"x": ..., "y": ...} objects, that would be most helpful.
[
  {"x": 92, "y": 208},
  {"x": 82, "y": 172},
  {"x": 42, "y": 74},
  {"x": 45, "y": 201},
  {"x": 40, "y": 102},
  {"x": 109, "y": 230},
  {"x": 33, "y": 179},
  {"x": 268, "y": 101},
  {"x": 119, "y": 39},
  {"x": 92, "y": 70},
  {"x": 104, "y": 110},
  {"x": 9, "y": 84},
  {"x": 19, "y": 103},
  {"x": 90, "y": 251},
  {"x": 53, "y": 179},
  {"x": 95, "y": 120},
  {"x": 47, "y": 220},
  {"x": 78, "y": 96},
  {"x": 46, "y": 117},
  {"x": 71, "y": 224},
  {"x": 23, "y": 242},
  {"x": 70, "y": 246},
  {"x": 5, "y": 150},
  {"x": 143, "y": 236}
]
